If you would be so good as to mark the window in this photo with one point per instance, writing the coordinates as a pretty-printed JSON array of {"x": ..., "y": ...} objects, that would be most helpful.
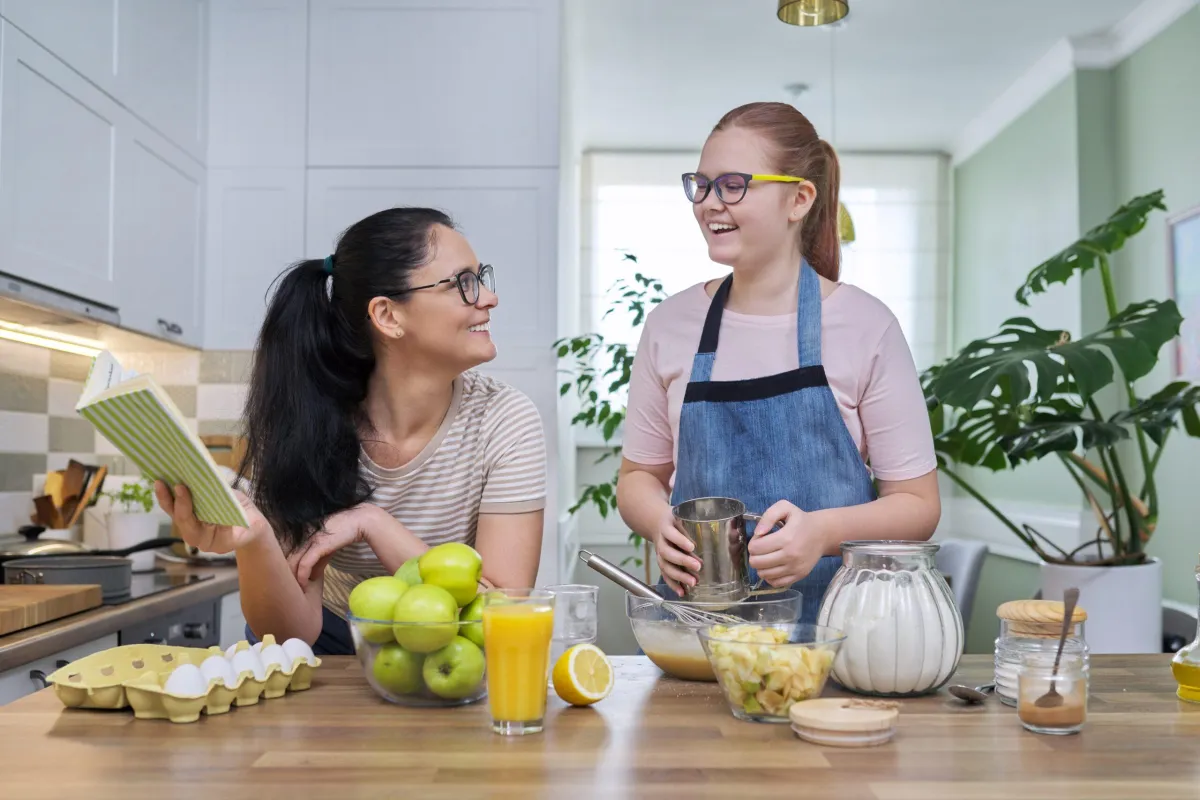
[{"x": 634, "y": 203}]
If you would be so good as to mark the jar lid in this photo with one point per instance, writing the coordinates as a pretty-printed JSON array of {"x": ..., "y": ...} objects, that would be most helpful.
[
  {"x": 834, "y": 715},
  {"x": 1037, "y": 611}
]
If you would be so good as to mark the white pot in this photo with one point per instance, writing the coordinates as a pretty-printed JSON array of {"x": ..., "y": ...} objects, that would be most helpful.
[
  {"x": 126, "y": 529},
  {"x": 1123, "y": 604}
]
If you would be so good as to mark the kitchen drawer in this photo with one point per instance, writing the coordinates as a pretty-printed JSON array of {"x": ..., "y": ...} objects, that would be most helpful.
[{"x": 17, "y": 683}]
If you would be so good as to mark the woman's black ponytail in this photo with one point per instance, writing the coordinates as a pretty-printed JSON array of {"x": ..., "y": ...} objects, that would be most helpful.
[{"x": 314, "y": 360}]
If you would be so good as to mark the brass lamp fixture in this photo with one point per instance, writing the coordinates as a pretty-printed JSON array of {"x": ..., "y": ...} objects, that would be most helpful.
[{"x": 811, "y": 13}]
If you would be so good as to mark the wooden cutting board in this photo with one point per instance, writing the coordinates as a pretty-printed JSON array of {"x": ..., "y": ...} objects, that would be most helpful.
[{"x": 23, "y": 607}]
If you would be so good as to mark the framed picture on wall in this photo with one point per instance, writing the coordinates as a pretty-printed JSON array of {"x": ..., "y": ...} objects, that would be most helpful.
[{"x": 1183, "y": 255}]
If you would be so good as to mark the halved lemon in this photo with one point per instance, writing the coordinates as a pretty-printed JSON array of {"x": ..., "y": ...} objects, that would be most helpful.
[{"x": 583, "y": 675}]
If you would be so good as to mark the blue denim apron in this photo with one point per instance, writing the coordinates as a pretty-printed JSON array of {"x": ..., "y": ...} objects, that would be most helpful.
[{"x": 780, "y": 437}]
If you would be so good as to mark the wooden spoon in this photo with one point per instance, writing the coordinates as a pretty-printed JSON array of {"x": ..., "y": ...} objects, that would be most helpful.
[{"x": 1052, "y": 699}]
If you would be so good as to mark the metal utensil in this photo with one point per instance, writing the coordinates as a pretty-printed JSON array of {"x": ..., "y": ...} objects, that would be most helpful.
[
  {"x": 1052, "y": 699},
  {"x": 977, "y": 695},
  {"x": 686, "y": 614}
]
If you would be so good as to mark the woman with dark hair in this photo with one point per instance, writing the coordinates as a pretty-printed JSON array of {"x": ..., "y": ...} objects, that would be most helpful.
[{"x": 369, "y": 436}]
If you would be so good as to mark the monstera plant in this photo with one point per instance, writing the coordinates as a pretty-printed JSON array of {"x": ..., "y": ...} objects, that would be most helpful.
[
  {"x": 597, "y": 374},
  {"x": 1027, "y": 393}
]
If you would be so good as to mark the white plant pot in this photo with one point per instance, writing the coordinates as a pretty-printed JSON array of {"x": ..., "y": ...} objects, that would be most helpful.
[
  {"x": 126, "y": 529},
  {"x": 1123, "y": 604}
]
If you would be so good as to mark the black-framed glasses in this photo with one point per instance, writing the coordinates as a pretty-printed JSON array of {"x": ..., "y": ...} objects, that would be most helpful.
[
  {"x": 468, "y": 284},
  {"x": 731, "y": 186}
]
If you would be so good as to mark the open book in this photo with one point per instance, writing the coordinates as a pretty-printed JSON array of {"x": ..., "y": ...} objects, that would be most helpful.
[{"x": 140, "y": 419}]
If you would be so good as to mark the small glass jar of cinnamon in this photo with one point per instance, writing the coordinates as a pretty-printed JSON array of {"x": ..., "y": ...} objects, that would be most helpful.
[{"x": 1048, "y": 701}]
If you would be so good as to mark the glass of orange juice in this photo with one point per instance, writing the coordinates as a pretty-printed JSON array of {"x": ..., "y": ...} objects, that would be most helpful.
[{"x": 517, "y": 627}]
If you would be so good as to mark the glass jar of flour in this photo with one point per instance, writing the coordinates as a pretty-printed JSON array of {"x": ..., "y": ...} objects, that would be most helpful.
[
  {"x": 1033, "y": 626},
  {"x": 904, "y": 633}
]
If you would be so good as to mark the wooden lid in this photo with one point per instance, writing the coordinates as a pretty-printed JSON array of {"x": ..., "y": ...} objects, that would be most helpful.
[
  {"x": 1037, "y": 611},
  {"x": 845, "y": 714}
]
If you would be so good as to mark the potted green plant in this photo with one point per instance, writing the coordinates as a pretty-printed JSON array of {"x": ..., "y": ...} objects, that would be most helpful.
[
  {"x": 597, "y": 374},
  {"x": 130, "y": 520},
  {"x": 1027, "y": 393}
]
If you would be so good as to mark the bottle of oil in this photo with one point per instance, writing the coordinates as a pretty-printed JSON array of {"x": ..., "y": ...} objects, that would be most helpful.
[{"x": 1185, "y": 666}]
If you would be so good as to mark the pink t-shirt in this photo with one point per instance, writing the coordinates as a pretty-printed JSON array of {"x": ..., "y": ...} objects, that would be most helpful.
[{"x": 867, "y": 361}]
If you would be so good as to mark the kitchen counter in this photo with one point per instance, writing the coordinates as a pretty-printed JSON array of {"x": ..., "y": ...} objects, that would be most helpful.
[
  {"x": 652, "y": 737},
  {"x": 53, "y": 637}
]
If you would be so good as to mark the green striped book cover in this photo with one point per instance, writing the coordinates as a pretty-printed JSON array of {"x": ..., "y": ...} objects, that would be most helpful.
[{"x": 134, "y": 413}]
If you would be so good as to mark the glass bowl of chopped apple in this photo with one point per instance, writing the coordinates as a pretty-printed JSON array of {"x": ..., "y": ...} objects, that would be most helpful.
[{"x": 763, "y": 668}]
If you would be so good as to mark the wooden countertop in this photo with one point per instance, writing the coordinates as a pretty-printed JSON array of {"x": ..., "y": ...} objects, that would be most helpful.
[
  {"x": 653, "y": 737},
  {"x": 43, "y": 640}
]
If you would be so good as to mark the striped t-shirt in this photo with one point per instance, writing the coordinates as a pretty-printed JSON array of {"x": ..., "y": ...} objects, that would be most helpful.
[{"x": 488, "y": 455}]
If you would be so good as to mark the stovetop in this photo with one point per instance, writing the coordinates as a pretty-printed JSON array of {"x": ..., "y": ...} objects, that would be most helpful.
[{"x": 155, "y": 581}]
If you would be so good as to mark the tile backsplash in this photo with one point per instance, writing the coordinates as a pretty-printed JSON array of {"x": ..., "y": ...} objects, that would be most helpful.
[{"x": 40, "y": 431}]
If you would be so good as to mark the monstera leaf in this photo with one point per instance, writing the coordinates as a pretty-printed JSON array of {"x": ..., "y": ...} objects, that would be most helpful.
[
  {"x": 1159, "y": 413},
  {"x": 1132, "y": 338},
  {"x": 1061, "y": 433},
  {"x": 1102, "y": 240}
]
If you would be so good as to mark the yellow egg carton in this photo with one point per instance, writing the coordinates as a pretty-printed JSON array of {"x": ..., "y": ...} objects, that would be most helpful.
[{"x": 135, "y": 676}]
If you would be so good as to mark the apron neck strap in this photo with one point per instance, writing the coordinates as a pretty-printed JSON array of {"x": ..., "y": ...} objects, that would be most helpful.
[
  {"x": 712, "y": 322},
  {"x": 808, "y": 316}
]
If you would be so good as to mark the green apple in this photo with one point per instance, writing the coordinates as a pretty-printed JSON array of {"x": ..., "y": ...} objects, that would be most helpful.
[
  {"x": 473, "y": 611},
  {"x": 397, "y": 670},
  {"x": 455, "y": 671},
  {"x": 455, "y": 567},
  {"x": 430, "y": 605},
  {"x": 410, "y": 573},
  {"x": 375, "y": 598}
]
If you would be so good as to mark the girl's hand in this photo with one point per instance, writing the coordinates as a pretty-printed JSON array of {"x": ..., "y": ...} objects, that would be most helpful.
[
  {"x": 673, "y": 551},
  {"x": 787, "y": 555},
  {"x": 210, "y": 538}
]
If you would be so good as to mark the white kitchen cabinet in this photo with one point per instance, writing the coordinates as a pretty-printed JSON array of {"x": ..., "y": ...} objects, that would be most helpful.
[
  {"x": 149, "y": 55},
  {"x": 20, "y": 681},
  {"x": 258, "y": 81},
  {"x": 158, "y": 217},
  {"x": 162, "y": 69},
  {"x": 233, "y": 622},
  {"x": 414, "y": 83},
  {"x": 255, "y": 231},
  {"x": 58, "y": 134},
  {"x": 83, "y": 33}
]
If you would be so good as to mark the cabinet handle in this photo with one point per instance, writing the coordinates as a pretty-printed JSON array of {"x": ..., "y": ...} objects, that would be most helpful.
[
  {"x": 37, "y": 676},
  {"x": 195, "y": 630},
  {"x": 170, "y": 327}
]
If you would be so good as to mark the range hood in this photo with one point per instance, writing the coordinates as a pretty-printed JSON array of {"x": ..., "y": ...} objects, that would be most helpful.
[{"x": 36, "y": 306}]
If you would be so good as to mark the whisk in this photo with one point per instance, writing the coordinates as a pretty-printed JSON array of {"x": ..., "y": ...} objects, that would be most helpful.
[{"x": 685, "y": 613}]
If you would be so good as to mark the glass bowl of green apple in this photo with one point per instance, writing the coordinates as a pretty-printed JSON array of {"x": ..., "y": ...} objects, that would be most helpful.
[{"x": 418, "y": 634}]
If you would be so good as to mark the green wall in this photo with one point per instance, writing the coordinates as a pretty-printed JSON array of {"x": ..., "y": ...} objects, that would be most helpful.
[
  {"x": 1157, "y": 143},
  {"x": 1098, "y": 139}
]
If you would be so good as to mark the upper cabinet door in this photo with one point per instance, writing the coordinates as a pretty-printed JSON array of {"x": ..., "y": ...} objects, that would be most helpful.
[
  {"x": 82, "y": 33},
  {"x": 57, "y": 138},
  {"x": 159, "y": 217},
  {"x": 150, "y": 55},
  {"x": 410, "y": 83},
  {"x": 162, "y": 67}
]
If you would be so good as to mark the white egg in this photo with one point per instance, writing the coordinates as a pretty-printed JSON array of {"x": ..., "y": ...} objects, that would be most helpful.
[
  {"x": 233, "y": 648},
  {"x": 275, "y": 654},
  {"x": 186, "y": 680},
  {"x": 258, "y": 646},
  {"x": 216, "y": 668},
  {"x": 248, "y": 661},
  {"x": 298, "y": 650}
]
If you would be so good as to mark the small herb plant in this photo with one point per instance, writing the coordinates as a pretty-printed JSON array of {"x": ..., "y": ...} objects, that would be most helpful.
[{"x": 132, "y": 495}]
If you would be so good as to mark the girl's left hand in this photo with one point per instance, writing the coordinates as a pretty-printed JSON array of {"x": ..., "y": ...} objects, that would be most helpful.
[{"x": 787, "y": 555}]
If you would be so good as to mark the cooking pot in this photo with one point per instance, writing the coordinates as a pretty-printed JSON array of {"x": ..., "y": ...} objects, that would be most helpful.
[{"x": 28, "y": 559}]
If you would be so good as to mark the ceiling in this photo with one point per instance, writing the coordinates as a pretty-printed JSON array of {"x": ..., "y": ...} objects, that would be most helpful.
[{"x": 910, "y": 74}]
